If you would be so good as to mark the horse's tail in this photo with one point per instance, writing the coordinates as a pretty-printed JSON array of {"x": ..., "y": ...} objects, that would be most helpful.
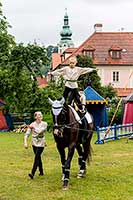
[
  {"x": 90, "y": 150},
  {"x": 89, "y": 157}
]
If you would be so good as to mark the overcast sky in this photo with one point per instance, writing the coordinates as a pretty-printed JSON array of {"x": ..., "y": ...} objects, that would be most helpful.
[{"x": 42, "y": 20}]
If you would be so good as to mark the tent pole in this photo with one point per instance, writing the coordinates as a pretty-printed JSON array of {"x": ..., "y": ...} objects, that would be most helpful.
[{"x": 119, "y": 103}]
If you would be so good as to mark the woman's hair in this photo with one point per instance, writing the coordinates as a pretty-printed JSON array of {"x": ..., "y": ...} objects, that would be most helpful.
[{"x": 36, "y": 113}]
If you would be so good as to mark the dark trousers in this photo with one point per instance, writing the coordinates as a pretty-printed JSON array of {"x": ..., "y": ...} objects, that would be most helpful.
[
  {"x": 72, "y": 94},
  {"x": 37, "y": 159}
]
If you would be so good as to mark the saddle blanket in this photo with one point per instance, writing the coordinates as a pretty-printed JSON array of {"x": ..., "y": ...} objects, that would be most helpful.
[{"x": 77, "y": 117}]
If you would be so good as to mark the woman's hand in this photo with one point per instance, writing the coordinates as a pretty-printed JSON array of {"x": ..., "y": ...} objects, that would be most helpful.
[
  {"x": 26, "y": 146},
  {"x": 31, "y": 126}
]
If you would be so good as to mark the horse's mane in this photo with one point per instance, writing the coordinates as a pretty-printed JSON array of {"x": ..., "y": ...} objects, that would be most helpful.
[{"x": 70, "y": 118}]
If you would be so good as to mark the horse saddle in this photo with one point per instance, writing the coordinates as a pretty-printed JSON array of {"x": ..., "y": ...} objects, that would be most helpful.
[{"x": 78, "y": 118}]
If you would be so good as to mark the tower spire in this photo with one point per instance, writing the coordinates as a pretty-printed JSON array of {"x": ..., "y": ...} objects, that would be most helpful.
[
  {"x": 65, "y": 11},
  {"x": 65, "y": 34}
]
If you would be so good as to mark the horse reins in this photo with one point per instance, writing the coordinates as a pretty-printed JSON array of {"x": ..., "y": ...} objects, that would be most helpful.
[{"x": 69, "y": 126}]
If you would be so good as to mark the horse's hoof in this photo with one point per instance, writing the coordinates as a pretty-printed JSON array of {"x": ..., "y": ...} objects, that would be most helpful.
[
  {"x": 64, "y": 187},
  {"x": 81, "y": 174}
]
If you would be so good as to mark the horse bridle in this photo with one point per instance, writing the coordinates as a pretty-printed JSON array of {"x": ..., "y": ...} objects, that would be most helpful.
[
  {"x": 68, "y": 126},
  {"x": 56, "y": 123}
]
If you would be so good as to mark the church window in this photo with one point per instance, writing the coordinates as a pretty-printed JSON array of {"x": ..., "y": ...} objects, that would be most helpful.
[{"x": 66, "y": 22}]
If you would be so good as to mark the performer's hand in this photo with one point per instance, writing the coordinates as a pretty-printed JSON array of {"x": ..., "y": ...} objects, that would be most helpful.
[
  {"x": 49, "y": 73},
  {"x": 26, "y": 146}
]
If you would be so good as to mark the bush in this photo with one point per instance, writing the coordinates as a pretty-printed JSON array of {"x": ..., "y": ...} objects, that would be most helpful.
[
  {"x": 113, "y": 103},
  {"x": 48, "y": 118}
]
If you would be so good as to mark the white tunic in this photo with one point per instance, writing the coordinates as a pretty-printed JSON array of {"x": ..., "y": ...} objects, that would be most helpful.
[
  {"x": 37, "y": 133},
  {"x": 71, "y": 75}
]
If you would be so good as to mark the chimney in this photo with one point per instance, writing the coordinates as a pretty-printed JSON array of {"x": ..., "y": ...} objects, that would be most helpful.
[{"x": 98, "y": 27}]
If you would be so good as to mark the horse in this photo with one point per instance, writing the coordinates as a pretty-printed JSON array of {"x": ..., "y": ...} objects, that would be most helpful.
[{"x": 72, "y": 134}]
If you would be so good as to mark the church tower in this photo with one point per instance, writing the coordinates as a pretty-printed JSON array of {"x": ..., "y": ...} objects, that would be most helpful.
[{"x": 65, "y": 34}]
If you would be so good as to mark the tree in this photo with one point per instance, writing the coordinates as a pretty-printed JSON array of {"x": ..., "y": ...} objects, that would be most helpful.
[
  {"x": 32, "y": 56},
  {"x": 108, "y": 92},
  {"x": 51, "y": 49},
  {"x": 24, "y": 65},
  {"x": 6, "y": 44},
  {"x": 19, "y": 66},
  {"x": 6, "y": 40},
  {"x": 113, "y": 103},
  {"x": 92, "y": 78}
]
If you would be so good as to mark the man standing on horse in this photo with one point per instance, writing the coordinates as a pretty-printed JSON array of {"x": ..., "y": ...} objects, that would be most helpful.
[{"x": 71, "y": 74}]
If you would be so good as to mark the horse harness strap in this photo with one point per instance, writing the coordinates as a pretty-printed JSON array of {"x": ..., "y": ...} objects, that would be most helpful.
[
  {"x": 38, "y": 136},
  {"x": 68, "y": 126},
  {"x": 71, "y": 80},
  {"x": 81, "y": 129},
  {"x": 57, "y": 107}
]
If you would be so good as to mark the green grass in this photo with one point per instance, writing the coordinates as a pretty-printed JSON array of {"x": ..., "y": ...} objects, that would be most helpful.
[{"x": 109, "y": 176}]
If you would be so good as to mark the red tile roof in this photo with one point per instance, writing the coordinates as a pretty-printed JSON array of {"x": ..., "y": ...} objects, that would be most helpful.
[
  {"x": 69, "y": 50},
  {"x": 115, "y": 47},
  {"x": 122, "y": 92},
  {"x": 42, "y": 82},
  {"x": 102, "y": 42},
  {"x": 56, "y": 60}
]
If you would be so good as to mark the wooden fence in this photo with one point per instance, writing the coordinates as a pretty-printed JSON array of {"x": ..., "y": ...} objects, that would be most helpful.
[
  {"x": 114, "y": 132},
  {"x": 19, "y": 119}
]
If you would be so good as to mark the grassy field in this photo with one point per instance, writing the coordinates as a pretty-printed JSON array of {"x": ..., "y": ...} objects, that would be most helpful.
[{"x": 109, "y": 177}]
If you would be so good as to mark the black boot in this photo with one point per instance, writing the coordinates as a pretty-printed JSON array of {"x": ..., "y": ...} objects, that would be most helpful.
[
  {"x": 41, "y": 174},
  {"x": 31, "y": 176}
]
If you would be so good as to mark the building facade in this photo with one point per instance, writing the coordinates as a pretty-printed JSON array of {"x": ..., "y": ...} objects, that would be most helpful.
[{"x": 112, "y": 54}]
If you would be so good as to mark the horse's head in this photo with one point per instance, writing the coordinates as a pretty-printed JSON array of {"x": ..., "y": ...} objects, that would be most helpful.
[
  {"x": 58, "y": 115},
  {"x": 57, "y": 106}
]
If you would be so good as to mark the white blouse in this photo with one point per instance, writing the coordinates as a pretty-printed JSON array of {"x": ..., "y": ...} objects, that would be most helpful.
[
  {"x": 71, "y": 75},
  {"x": 38, "y": 130}
]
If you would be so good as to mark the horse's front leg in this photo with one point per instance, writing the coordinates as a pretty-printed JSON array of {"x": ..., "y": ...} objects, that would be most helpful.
[
  {"x": 71, "y": 149},
  {"x": 61, "y": 151},
  {"x": 80, "y": 154}
]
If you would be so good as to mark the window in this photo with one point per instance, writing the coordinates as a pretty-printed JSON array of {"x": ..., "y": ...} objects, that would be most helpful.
[
  {"x": 115, "y": 54},
  {"x": 116, "y": 76},
  {"x": 66, "y": 22},
  {"x": 89, "y": 53}
]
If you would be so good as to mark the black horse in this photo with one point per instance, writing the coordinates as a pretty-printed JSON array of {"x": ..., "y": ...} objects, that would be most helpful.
[{"x": 71, "y": 133}]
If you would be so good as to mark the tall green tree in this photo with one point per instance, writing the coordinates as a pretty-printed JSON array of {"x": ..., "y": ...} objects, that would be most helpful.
[
  {"x": 6, "y": 40},
  {"x": 32, "y": 56},
  {"x": 24, "y": 65},
  {"x": 19, "y": 66},
  {"x": 91, "y": 78}
]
